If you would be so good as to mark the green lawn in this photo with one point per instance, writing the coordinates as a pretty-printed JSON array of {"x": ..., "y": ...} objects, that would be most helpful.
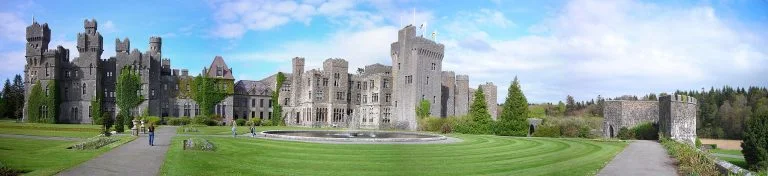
[
  {"x": 41, "y": 129},
  {"x": 477, "y": 155},
  {"x": 47, "y": 157},
  {"x": 738, "y": 161}
]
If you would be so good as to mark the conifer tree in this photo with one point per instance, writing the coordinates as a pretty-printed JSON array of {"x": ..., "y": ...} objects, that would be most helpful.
[{"x": 513, "y": 118}]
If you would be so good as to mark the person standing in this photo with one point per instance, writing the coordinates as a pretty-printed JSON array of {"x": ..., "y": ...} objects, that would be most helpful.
[
  {"x": 253, "y": 130},
  {"x": 234, "y": 129},
  {"x": 151, "y": 135}
]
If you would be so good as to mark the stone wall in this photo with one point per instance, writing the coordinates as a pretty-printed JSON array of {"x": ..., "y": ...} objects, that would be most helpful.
[
  {"x": 621, "y": 113},
  {"x": 489, "y": 90}
]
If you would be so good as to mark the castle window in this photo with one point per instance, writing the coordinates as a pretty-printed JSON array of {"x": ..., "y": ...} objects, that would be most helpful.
[
  {"x": 375, "y": 97},
  {"x": 434, "y": 99},
  {"x": 46, "y": 70},
  {"x": 68, "y": 74},
  {"x": 398, "y": 66},
  {"x": 261, "y": 103},
  {"x": 387, "y": 97},
  {"x": 285, "y": 102},
  {"x": 270, "y": 103},
  {"x": 152, "y": 92},
  {"x": 165, "y": 86},
  {"x": 219, "y": 72},
  {"x": 365, "y": 98},
  {"x": 83, "y": 88},
  {"x": 358, "y": 98},
  {"x": 434, "y": 66},
  {"x": 325, "y": 81},
  {"x": 408, "y": 79},
  {"x": 253, "y": 102},
  {"x": 90, "y": 109},
  {"x": 90, "y": 69},
  {"x": 365, "y": 85},
  {"x": 336, "y": 75},
  {"x": 372, "y": 84},
  {"x": 427, "y": 80},
  {"x": 75, "y": 73},
  {"x": 385, "y": 83},
  {"x": 339, "y": 96},
  {"x": 358, "y": 85}
]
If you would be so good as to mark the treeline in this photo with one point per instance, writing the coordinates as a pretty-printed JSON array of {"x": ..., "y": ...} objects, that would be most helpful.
[
  {"x": 723, "y": 112},
  {"x": 12, "y": 98},
  {"x": 571, "y": 107}
]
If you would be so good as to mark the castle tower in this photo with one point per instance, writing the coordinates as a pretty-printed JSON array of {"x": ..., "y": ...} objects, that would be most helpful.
[
  {"x": 38, "y": 36},
  {"x": 90, "y": 44},
  {"x": 417, "y": 74},
  {"x": 448, "y": 91},
  {"x": 122, "y": 46},
  {"x": 155, "y": 44},
  {"x": 462, "y": 95},
  {"x": 489, "y": 90},
  {"x": 296, "y": 80},
  {"x": 677, "y": 117}
]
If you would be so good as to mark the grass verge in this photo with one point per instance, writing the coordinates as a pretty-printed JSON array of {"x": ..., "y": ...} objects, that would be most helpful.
[
  {"x": 47, "y": 157},
  {"x": 57, "y": 130}
]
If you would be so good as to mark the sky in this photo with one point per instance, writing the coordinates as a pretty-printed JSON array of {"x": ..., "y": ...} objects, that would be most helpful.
[{"x": 556, "y": 48}]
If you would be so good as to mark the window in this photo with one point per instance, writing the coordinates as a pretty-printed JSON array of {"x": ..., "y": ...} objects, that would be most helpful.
[
  {"x": 46, "y": 70},
  {"x": 253, "y": 102},
  {"x": 365, "y": 85},
  {"x": 285, "y": 102},
  {"x": 358, "y": 85},
  {"x": 336, "y": 75},
  {"x": 427, "y": 80},
  {"x": 218, "y": 71},
  {"x": 90, "y": 71},
  {"x": 165, "y": 86},
  {"x": 358, "y": 98},
  {"x": 152, "y": 92},
  {"x": 325, "y": 81},
  {"x": 261, "y": 115},
  {"x": 434, "y": 99},
  {"x": 261, "y": 103},
  {"x": 385, "y": 83},
  {"x": 270, "y": 102},
  {"x": 408, "y": 79},
  {"x": 365, "y": 98},
  {"x": 372, "y": 84},
  {"x": 270, "y": 115},
  {"x": 339, "y": 96},
  {"x": 398, "y": 66},
  {"x": 434, "y": 66},
  {"x": 83, "y": 88},
  {"x": 68, "y": 74},
  {"x": 387, "y": 97},
  {"x": 90, "y": 109},
  {"x": 46, "y": 91},
  {"x": 375, "y": 97}
]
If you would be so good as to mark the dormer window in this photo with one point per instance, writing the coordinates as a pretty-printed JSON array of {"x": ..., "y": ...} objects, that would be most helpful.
[{"x": 219, "y": 71}]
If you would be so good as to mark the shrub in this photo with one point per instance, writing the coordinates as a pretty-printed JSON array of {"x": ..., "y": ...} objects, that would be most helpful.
[
  {"x": 510, "y": 128},
  {"x": 691, "y": 161},
  {"x": 431, "y": 123},
  {"x": 179, "y": 121},
  {"x": 120, "y": 123},
  {"x": 646, "y": 131},
  {"x": 569, "y": 130},
  {"x": 625, "y": 134},
  {"x": 547, "y": 131},
  {"x": 446, "y": 128},
  {"x": 199, "y": 144},
  {"x": 755, "y": 141},
  {"x": 240, "y": 122},
  {"x": 698, "y": 143},
  {"x": 267, "y": 123},
  {"x": 253, "y": 122},
  {"x": 106, "y": 124},
  {"x": 4, "y": 170},
  {"x": 94, "y": 143},
  {"x": 154, "y": 120},
  {"x": 204, "y": 120}
]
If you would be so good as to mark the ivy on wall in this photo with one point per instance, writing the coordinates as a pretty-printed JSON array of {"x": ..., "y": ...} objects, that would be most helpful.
[
  {"x": 42, "y": 105},
  {"x": 277, "y": 109},
  {"x": 208, "y": 92},
  {"x": 128, "y": 97}
]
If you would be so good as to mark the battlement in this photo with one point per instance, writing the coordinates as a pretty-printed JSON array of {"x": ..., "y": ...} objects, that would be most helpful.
[
  {"x": 90, "y": 23},
  {"x": 184, "y": 72},
  {"x": 449, "y": 73},
  {"x": 55, "y": 52},
  {"x": 122, "y": 46},
  {"x": 335, "y": 62},
  {"x": 37, "y": 32},
  {"x": 155, "y": 39},
  {"x": 298, "y": 61},
  {"x": 462, "y": 77},
  {"x": 679, "y": 98}
]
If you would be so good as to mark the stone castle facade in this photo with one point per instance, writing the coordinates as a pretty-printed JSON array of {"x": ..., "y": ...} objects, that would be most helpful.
[
  {"x": 79, "y": 80},
  {"x": 674, "y": 115},
  {"x": 375, "y": 97}
]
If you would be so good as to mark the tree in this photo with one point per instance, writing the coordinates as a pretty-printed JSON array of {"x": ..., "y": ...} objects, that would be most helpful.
[
  {"x": 560, "y": 108},
  {"x": 513, "y": 118},
  {"x": 106, "y": 123},
  {"x": 128, "y": 96},
  {"x": 755, "y": 143},
  {"x": 570, "y": 105},
  {"x": 479, "y": 121},
  {"x": 8, "y": 105},
  {"x": 41, "y": 106},
  {"x": 96, "y": 110},
  {"x": 277, "y": 109},
  {"x": 422, "y": 110},
  {"x": 18, "y": 96}
]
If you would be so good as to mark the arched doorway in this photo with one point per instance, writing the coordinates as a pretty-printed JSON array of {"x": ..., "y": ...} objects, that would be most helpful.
[
  {"x": 531, "y": 129},
  {"x": 611, "y": 130}
]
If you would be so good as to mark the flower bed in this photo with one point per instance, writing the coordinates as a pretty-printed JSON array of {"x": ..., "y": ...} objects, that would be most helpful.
[
  {"x": 94, "y": 143},
  {"x": 198, "y": 144}
]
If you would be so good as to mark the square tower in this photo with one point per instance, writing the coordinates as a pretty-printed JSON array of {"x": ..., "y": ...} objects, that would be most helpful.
[{"x": 417, "y": 75}]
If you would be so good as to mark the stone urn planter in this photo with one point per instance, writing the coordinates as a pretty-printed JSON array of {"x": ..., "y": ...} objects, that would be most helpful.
[
  {"x": 135, "y": 129},
  {"x": 143, "y": 129}
]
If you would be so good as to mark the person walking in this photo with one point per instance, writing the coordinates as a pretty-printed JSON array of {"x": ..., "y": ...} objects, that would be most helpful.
[
  {"x": 253, "y": 130},
  {"x": 151, "y": 135},
  {"x": 234, "y": 129}
]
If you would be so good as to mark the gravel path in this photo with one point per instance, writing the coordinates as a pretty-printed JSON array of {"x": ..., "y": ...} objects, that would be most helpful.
[
  {"x": 133, "y": 158},
  {"x": 40, "y": 137},
  {"x": 641, "y": 158}
]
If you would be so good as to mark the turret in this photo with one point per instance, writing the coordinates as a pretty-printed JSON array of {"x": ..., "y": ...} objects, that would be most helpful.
[
  {"x": 38, "y": 37},
  {"x": 123, "y": 46},
  {"x": 155, "y": 44},
  {"x": 90, "y": 26}
]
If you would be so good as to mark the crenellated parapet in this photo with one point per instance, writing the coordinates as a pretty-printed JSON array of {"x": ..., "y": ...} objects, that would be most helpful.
[
  {"x": 122, "y": 46},
  {"x": 677, "y": 117}
]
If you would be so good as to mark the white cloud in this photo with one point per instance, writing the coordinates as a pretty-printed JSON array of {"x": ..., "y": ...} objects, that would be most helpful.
[
  {"x": 359, "y": 48},
  {"x": 107, "y": 27},
  {"x": 612, "y": 48},
  {"x": 13, "y": 63},
  {"x": 13, "y": 28}
]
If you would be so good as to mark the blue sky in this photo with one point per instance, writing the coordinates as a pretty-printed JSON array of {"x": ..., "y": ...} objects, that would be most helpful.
[{"x": 556, "y": 48}]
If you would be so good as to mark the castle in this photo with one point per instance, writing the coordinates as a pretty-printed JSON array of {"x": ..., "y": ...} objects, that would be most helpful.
[
  {"x": 674, "y": 115},
  {"x": 375, "y": 97}
]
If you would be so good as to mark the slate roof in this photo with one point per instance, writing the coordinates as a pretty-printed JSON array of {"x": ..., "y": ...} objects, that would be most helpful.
[
  {"x": 250, "y": 87},
  {"x": 218, "y": 61}
]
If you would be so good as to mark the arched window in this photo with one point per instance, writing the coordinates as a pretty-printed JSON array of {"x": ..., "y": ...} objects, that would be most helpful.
[
  {"x": 83, "y": 88},
  {"x": 90, "y": 69}
]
